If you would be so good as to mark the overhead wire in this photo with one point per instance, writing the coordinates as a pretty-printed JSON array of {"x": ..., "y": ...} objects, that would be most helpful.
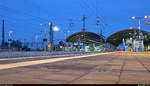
[
  {"x": 101, "y": 18},
  {"x": 89, "y": 9},
  {"x": 61, "y": 25}
]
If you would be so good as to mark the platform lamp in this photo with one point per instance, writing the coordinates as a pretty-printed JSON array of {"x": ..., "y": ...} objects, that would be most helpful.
[
  {"x": 9, "y": 39},
  {"x": 138, "y": 39},
  {"x": 52, "y": 30},
  {"x": 45, "y": 37},
  {"x": 147, "y": 20}
]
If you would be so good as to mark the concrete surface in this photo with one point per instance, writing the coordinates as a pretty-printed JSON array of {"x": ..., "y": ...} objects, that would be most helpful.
[{"x": 111, "y": 68}]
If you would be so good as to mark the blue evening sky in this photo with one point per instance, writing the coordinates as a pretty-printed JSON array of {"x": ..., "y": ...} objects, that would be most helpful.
[{"x": 24, "y": 17}]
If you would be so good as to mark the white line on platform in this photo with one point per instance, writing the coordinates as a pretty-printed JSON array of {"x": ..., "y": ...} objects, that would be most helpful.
[
  {"x": 30, "y": 57},
  {"x": 28, "y": 63}
]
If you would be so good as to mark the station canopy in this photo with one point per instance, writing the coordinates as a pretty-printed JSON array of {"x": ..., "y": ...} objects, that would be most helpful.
[
  {"x": 90, "y": 38},
  {"x": 117, "y": 38}
]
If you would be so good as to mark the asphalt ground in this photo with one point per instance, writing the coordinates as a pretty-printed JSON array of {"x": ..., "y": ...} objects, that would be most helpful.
[{"x": 100, "y": 68}]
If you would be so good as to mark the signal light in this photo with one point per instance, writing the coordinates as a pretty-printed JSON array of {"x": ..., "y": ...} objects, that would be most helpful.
[{"x": 147, "y": 23}]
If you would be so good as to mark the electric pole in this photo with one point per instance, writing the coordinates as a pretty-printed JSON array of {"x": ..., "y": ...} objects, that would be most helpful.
[
  {"x": 3, "y": 35},
  {"x": 84, "y": 40},
  {"x": 51, "y": 37}
]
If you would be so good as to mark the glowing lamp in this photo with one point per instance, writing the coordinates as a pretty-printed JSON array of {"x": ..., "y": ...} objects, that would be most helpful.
[
  {"x": 147, "y": 22},
  {"x": 146, "y": 17},
  {"x": 133, "y": 17},
  {"x": 56, "y": 28}
]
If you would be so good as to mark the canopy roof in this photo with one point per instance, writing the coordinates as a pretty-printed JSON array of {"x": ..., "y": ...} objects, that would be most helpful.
[
  {"x": 89, "y": 37},
  {"x": 117, "y": 37}
]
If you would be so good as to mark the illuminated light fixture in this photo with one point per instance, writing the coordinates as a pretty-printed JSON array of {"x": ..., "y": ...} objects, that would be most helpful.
[
  {"x": 131, "y": 28},
  {"x": 133, "y": 17},
  {"x": 146, "y": 17},
  {"x": 146, "y": 22},
  {"x": 49, "y": 23},
  {"x": 56, "y": 28}
]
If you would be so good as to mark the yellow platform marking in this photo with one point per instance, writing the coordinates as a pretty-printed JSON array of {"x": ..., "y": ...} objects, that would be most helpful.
[{"x": 28, "y": 63}]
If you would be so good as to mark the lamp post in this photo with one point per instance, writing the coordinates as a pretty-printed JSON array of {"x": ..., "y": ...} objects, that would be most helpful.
[
  {"x": 9, "y": 39},
  {"x": 84, "y": 31},
  {"x": 139, "y": 21},
  {"x": 51, "y": 37},
  {"x": 55, "y": 29},
  {"x": 147, "y": 19},
  {"x": 138, "y": 39},
  {"x": 45, "y": 37},
  {"x": 50, "y": 34}
]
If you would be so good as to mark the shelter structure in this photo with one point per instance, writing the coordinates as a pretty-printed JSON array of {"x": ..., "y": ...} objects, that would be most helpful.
[
  {"x": 92, "y": 40},
  {"x": 127, "y": 37}
]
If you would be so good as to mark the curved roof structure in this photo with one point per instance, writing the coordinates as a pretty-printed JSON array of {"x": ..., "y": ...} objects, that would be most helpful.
[
  {"x": 89, "y": 36},
  {"x": 117, "y": 37}
]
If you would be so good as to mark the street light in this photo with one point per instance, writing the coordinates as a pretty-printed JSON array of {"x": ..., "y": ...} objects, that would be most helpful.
[
  {"x": 131, "y": 28},
  {"x": 139, "y": 21},
  {"x": 56, "y": 28},
  {"x": 9, "y": 39},
  {"x": 147, "y": 19},
  {"x": 133, "y": 17},
  {"x": 140, "y": 18},
  {"x": 45, "y": 37},
  {"x": 139, "y": 38},
  {"x": 53, "y": 29},
  {"x": 49, "y": 23}
]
